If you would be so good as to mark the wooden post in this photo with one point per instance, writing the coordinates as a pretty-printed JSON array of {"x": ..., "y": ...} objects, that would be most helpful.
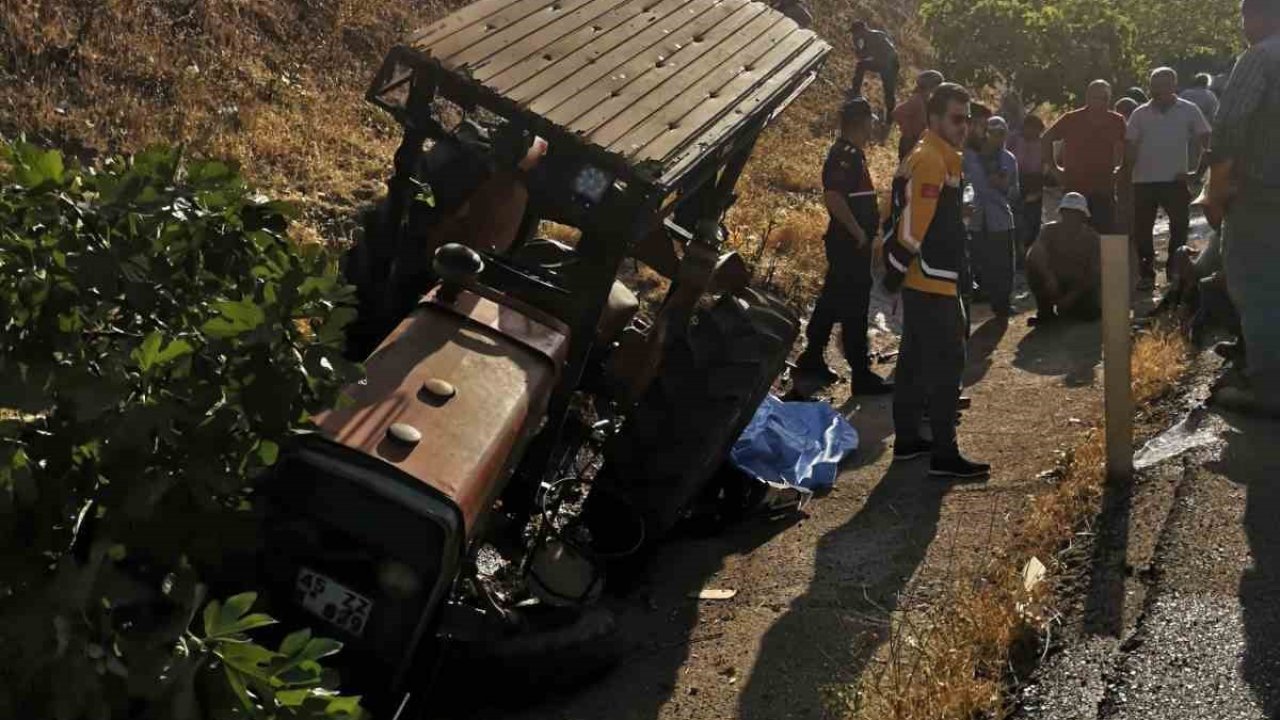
[{"x": 1116, "y": 351}]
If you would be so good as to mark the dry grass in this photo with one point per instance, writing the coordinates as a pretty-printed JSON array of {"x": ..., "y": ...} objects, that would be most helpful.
[
  {"x": 952, "y": 660},
  {"x": 276, "y": 85}
]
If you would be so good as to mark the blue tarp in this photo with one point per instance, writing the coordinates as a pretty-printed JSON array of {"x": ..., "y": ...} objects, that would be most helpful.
[{"x": 798, "y": 444}]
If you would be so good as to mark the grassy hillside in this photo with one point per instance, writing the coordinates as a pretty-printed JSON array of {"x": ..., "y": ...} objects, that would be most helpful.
[{"x": 278, "y": 86}]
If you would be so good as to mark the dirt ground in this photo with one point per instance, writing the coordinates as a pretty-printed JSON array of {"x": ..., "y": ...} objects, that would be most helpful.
[{"x": 815, "y": 590}]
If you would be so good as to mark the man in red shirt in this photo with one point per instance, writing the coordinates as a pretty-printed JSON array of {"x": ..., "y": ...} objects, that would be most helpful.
[{"x": 1092, "y": 149}]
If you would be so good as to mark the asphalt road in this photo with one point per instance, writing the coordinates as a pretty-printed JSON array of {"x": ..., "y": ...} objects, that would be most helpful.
[{"x": 1194, "y": 572}]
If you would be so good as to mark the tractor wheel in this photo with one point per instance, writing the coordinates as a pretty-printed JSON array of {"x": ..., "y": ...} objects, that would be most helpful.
[{"x": 713, "y": 378}]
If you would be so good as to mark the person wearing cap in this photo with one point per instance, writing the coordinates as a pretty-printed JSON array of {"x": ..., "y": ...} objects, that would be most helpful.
[
  {"x": 911, "y": 115},
  {"x": 875, "y": 53},
  {"x": 993, "y": 173},
  {"x": 923, "y": 257},
  {"x": 854, "y": 214},
  {"x": 1092, "y": 140},
  {"x": 1064, "y": 266}
]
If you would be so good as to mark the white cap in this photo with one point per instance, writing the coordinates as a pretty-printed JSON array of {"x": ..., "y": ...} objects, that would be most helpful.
[{"x": 1075, "y": 201}]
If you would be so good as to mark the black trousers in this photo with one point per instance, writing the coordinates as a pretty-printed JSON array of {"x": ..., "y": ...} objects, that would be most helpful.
[
  {"x": 1030, "y": 218},
  {"x": 888, "y": 73},
  {"x": 1102, "y": 211},
  {"x": 992, "y": 252},
  {"x": 931, "y": 362},
  {"x": 1148, "y": 198},
  {"x": 845, "y": 299}
]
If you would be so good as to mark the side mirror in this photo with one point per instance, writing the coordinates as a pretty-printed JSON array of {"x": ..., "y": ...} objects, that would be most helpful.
[{"x": 456, "y": 265}]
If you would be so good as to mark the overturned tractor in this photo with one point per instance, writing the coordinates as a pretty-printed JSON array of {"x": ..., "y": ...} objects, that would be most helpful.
[{"x": 510, "y": 375}]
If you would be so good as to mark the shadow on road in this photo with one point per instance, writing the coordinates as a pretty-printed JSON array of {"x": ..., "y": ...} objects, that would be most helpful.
[
  {"x": 1069, "y": 349},
  {"x": 1252, "y": 459},
  {"x": 1108, "y": 568},
  {"x": 828, "y": 635},
  {"x": 982, "y": 344}
]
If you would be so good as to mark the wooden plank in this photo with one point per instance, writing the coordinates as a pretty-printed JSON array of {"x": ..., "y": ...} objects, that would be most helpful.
[
  {"x": 598, "y": 57},
  {"x": 541, "y": 44},
  {"x": 556, "y": 19},
  {"x": 709, "y": 139},
  {"x": 548, "y": 90},
  {"x": 630, "y": 98},
  {"x": 673, "y": 125},
  {"x": 614, "y": 117},
  {"x": 455, "y": 21},
  {"x": 620, "y": 23},
  {"x": 511, "y": 14}
]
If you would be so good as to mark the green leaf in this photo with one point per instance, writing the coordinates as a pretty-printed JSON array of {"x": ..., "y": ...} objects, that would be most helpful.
[
  {"x": 37, "y": 168},
  {"x": 148, "y": 351},
  {"x": 295, "y": 642},
  {"x": 268, "y": 452},
  {"x": 236, "y": 607},
  {"x": 252, "y": 660},
  {"x": 212, "y": 614},
  {"x": 243, "y": 625},
  {"x": 236, "y": 681},
  {"x": 344, "y": 706},
  {"x": 235, "y": 318}
]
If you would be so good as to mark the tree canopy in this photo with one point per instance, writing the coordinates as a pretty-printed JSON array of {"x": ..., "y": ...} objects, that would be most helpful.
[{"x": 1050, "y": 49}]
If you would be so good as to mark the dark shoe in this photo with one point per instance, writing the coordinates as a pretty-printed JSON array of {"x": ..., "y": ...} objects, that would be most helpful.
[
  {"x": 1043, "y": 319},
  {"x": 818, "y": 371},
  {"x": 871, "y": 384},
  {"x": 910, "y": 450},
  {"x": 1146, "y": 283},
  {"x": 1234, "y": 398},
  {"x": 964, "y": 403},
  {"x": 957, "y": 468}
]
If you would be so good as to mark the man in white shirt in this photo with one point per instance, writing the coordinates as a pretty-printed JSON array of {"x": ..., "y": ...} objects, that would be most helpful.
[{"x": 1160, "y": 135}]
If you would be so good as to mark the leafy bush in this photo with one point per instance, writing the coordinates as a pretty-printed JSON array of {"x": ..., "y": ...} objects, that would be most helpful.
[
  {"x": 1048, "y": 50},
  {"x": 160, "y": 337},
  {"x": 1051, "y": 49}
]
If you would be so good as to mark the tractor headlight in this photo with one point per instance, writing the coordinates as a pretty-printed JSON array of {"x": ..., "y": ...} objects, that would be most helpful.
[
  {"x": 397, "y": 580},
  {"x": 591, "y": 183}
]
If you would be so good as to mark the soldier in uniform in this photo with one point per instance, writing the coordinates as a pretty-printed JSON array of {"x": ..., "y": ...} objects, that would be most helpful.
[{"x": 850, "y": 198}]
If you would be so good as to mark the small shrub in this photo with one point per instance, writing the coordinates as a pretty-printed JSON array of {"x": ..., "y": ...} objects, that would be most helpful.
[{"x": 160, "y": 338}]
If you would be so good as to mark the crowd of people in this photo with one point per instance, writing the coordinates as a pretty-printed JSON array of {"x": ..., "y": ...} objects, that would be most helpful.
[{"x": 967, "y": 214}]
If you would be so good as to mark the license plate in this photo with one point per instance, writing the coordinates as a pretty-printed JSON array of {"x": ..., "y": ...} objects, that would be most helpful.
[{"x": 332, "y": 601}]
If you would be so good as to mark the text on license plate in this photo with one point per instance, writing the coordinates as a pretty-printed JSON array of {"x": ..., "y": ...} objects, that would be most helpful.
[{"x": 327, "y": 599}]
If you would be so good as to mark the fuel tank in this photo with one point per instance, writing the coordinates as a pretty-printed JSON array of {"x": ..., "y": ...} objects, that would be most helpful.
[{"x": 465, "y": 384}]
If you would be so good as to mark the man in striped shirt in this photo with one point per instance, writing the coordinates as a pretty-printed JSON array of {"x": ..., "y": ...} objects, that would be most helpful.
[{"x": 1244, "y": 196}]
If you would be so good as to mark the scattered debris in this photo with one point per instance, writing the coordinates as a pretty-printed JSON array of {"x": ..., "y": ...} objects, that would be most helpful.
[
  {"x": 1033, "y": 574},
  {"x": 1188, "y": 434},
  {"x": 714, "y": 594}
]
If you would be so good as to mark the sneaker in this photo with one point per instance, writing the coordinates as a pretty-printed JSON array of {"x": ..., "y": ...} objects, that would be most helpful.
[
  {"x": 1146, "y": 283},
  {"x": 964, "y": 403},
  {"x": 957, "y": 468},
  {"x": 871, "y": 384},
  {"x": 910, "y": 450}
]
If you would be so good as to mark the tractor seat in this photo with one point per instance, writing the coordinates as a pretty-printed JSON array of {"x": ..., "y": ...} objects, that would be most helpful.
[{"x": 619, "y": 308}]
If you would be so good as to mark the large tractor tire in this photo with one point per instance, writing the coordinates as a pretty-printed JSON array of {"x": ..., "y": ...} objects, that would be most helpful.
[{"x": 713, "y": 378}]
